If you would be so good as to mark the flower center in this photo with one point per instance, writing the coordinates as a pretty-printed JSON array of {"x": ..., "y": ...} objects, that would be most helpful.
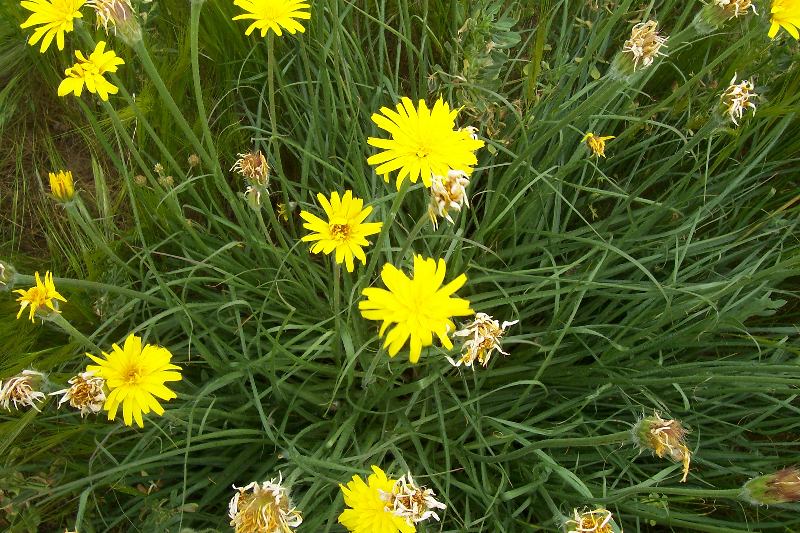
[
  {"x": 132, "y": 375},
  {"x": 37, "y": 297},
  {"x": 340, "y": 232}
]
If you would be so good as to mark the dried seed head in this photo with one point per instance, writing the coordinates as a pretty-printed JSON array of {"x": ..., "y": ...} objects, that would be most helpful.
[
  {"x": 254, "y": 167},
  {"x": 85, "y": 393},
  {"x": 664, "y": 437},
  {"x": 194, "y": 160},
  {"x": 738, "y": 97},
  {"x": 414, "y": 503},
  {"x": 21, "y": 390},
  {"x": 735, "y": 8},
  {"x": 447, "y": 193},
  {"x": 781, "y": 487},
  {"x": 140, "y": 180},
  {"x": 158, "y": 168},
  {"x": 263, "y": 507},
  {"x": 167, "y": 182},
  {"x": 645, "y": 43},
  {"x": 599, "y": 520},
  {"x": 482, "y": 338}
]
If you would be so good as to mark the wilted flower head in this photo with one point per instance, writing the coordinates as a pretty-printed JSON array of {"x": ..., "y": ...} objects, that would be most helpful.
[
  {"x": 120, "y": 15},
  {"x": 413, "y": 503},
  {"x": 447, "y": 193},
  {"x": 596, "y": 143},
  {"x": 664, "y": 437},
  {"x": 735, "y": 8},
  {"x": 599, "y": 520},
  {"x": 21, "y": 390},
  {"x": 263, "y": 507},
  {"x": 85, "y": 393},
  {"x": 253, "y": 166},
  {"x": 61, "y": 185},
  {"x": 193, "y": 160},
  {"x": 738, "y": 97},
  {"x": 781, "y": 487},
  {"x": 483, "y": 337},
  {"x": 645, "y": 43}
]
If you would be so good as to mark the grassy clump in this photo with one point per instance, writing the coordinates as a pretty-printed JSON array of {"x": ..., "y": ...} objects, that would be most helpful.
[{"x": 661, "y": 278}]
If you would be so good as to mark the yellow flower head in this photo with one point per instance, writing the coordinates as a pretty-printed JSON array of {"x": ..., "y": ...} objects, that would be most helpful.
[
  {"x": 345, "y": 231},
  {"x": 61, "y": 185},
  {"x": 263, "y": 507},
  {"x": 135, "y": 376},
  {"x": 54, "y": 18},
  {"x": 371, "y": 505},
  {"x": 418, "y": 307},
  {"x": 41, "y": 296},
  {"x": 274, "y": 15},
  {"x": 424, "y": 142},
  {"x": 598, "y": 521},
  {"x": 596, "y": 143},
  {"x": 664, "y": 437},
  {"x": 90, "y": 72},
  {"x": 786, "y": 15}
]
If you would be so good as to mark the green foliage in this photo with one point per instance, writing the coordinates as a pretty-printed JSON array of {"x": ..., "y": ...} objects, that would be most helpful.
[{"x": 661, "y": 278}]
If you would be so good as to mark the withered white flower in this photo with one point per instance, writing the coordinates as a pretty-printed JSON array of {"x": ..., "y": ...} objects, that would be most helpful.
[
  {"x": 645, "y": 43},
  {"x": 253, "y": 166},
  {"x": 599, "y": 520},
  {"x": 738, "y": 97},
  {"x": 414, "y": 503},
  {"x": 735, "y": 8},
  {"x": 85, "y": 393},
  {"x": 483, "y": 337},
  {"x": 21, "y": 390},
  {"x": 263, "y": 507},
  {"x": 447, "y": 193}
]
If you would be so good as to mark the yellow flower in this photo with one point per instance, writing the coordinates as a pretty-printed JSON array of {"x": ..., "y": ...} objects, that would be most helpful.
[
  {"x": 424, "y": 142},
  {"x": 61, "y": 185},
  {"x": 40, "y": 296},
  {"x": 263, "y": 507},
  {"x": 274, "y": 15},
  {"x": 54, "y": 18},
  {"x": 596, "y": 143},
  {"x": 345, "y": 230},
  {"x": 90, "y": 72},
  {"x": 418, "y": 307},
  {"x": 371, "y": 505},
  {"x": 135, "y": 376},
  {"x": 786, "y": 15}
]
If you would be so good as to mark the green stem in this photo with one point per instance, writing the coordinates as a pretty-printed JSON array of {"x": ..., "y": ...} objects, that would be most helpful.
[
  {"x": 413, "y": 234},
  {"x": 76, "y": 211},
  {"x": 337, "y": 294},
  {"x": 194, "y": 33},
  {"x": 600, "y": 440},
  {"x": 69, "y": 283},
  {"x": 383, "y": 237},
  {"x": 166, "y": 97},
  {"x": 70, "y": 330},
  {"x": 271, "y": 90}
]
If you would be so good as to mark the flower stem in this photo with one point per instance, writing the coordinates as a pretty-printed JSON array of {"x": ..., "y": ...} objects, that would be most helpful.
[
  {"x": 72, "y": 331},
  {"x": 194, "y": 33},
  {"x": 95, "y": 286}
]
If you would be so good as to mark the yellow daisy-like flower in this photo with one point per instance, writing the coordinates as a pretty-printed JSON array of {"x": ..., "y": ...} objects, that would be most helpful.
[
  {"x": 135, "y": 375},
  {"x": 54, "y": 18},
  {"x": 274, "y": 15},
  {"x": 417, "y": 307},
  {"x": 596, "y": 143},
  {"x": 345, "y": 232},
  {"x": 371, "y": 505},
  {"x": 41, "y": 296},
  {"x": 62, "y": 186},
  {"x": 90, "y": 72},
  {"x": 786, "y": 15},
  {"x": 424, "y": 142}
]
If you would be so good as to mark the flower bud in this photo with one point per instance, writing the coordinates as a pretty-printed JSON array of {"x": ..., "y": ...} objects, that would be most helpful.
[{"x": 781, "y": 487}]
